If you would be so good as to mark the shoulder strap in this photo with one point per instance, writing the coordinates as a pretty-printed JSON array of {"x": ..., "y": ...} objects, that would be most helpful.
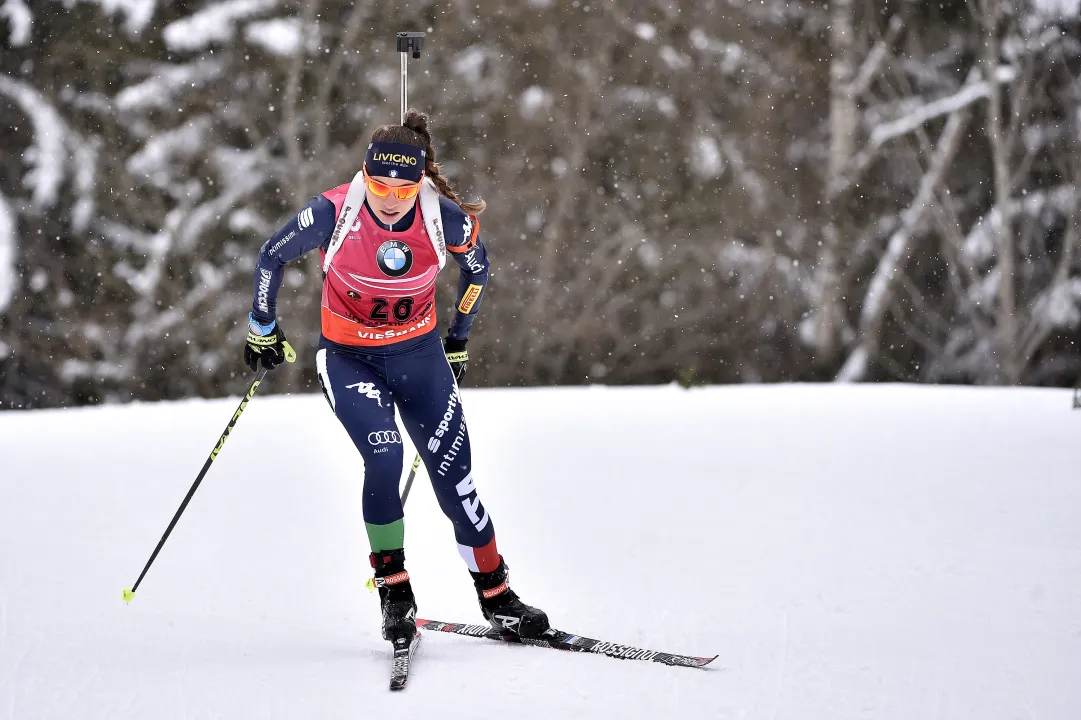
[
  {"x": 433, "y": 219},
  {"x": 354, "y": 200}
]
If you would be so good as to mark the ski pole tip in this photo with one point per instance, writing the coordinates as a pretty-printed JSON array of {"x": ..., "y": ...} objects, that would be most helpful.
[{"x": 128, "y": 595}]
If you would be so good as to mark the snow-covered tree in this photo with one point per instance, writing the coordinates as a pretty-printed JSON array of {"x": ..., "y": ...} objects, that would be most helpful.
[{"x": 707, "y": 190}]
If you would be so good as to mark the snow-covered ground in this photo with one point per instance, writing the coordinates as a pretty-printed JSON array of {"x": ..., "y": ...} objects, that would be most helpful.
[{"x": 850, "y": 552}]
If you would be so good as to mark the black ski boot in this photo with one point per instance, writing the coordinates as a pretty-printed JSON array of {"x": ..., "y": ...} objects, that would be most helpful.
[
  {"x": 395, "y": 596},
  {"x": 502, "y": 607}
]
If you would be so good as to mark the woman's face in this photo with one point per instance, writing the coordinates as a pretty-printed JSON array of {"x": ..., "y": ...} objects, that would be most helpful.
[{"x": 390, "y": 209}]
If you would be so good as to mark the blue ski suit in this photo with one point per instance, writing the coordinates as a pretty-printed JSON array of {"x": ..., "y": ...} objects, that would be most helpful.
[{"x": 366, "y": 384}]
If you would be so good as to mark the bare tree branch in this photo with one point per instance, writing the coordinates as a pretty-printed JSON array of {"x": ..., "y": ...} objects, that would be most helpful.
[{"x": 877, "y": 300}]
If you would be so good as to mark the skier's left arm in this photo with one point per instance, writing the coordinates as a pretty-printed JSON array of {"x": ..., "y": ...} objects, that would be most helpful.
[{"x": 464, "y": 245}]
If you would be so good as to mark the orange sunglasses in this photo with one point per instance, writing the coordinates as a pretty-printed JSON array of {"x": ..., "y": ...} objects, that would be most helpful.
[{"x": 402, "y": 192}]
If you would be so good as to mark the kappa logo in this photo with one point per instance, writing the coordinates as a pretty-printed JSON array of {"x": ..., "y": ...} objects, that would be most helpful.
[
  {"x": 306, "y": 218},
  {"x": 367, "y": 390}
]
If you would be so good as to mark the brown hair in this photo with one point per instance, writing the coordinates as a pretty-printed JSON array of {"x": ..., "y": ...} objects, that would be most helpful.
[{"x": 414, "y": 131}]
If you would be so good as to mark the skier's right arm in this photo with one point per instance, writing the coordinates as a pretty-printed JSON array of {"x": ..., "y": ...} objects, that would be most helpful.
[{"x": 307, "y": 230}]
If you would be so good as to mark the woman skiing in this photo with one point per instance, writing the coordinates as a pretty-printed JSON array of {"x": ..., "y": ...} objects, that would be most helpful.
[{"x": 383, "y": 239}]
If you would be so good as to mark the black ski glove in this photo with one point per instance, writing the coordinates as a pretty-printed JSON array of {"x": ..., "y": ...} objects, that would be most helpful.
[
  {"x": 266, "y": 344},
  {"x": 456, "y": 356}
]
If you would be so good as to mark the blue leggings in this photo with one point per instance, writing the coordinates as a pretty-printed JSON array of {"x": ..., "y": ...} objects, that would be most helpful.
[{"x": 363, "y": 388}]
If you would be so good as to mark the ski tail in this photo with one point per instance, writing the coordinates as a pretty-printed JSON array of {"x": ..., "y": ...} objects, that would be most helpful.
[{"x": 559, "y": 640}]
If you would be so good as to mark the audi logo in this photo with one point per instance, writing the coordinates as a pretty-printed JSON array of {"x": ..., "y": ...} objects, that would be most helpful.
[{"x": 384, "y": 437}]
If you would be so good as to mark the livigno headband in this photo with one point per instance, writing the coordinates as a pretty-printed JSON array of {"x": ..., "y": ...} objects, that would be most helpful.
[{"x": 395, "y": 160}]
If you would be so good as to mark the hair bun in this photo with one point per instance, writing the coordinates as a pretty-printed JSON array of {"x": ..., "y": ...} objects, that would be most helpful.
[{"x": 417, "y": 121}]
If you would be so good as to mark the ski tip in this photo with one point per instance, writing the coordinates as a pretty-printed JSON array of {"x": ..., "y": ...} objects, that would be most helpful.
[{"x": 128, "y": 595}]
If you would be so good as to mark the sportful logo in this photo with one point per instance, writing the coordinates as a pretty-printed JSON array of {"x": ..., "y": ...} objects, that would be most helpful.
[
  {"x": 394, "y": 158},
  {"x": 384, "y": 437},
  {"x": 367, "y": 390},
  {"x": 306, "y": 218},
  {"x": 452, "y": 451},
  {"x": 263, "y": 297},
  {"x": 444, "y": 424}
]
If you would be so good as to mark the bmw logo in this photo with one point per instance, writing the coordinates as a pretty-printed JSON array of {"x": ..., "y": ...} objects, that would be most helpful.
[{"x": 394, "y": 258}]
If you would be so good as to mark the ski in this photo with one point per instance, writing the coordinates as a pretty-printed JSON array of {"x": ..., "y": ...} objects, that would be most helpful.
[
  {"x": 560, "y": 640},
  {"x": 399, "y": 667}
]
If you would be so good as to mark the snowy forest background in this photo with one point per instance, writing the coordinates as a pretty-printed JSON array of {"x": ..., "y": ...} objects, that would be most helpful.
[{"x": 692, "y": 190}]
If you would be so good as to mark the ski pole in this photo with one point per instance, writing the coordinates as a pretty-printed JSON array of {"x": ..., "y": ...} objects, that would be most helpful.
[
  {"x": 130, "y": 592},
  {"x": 409, "y": 480}
]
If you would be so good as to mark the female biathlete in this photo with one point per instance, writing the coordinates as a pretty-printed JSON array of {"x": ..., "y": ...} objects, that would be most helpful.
[{"x": 383, "y": 239}]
